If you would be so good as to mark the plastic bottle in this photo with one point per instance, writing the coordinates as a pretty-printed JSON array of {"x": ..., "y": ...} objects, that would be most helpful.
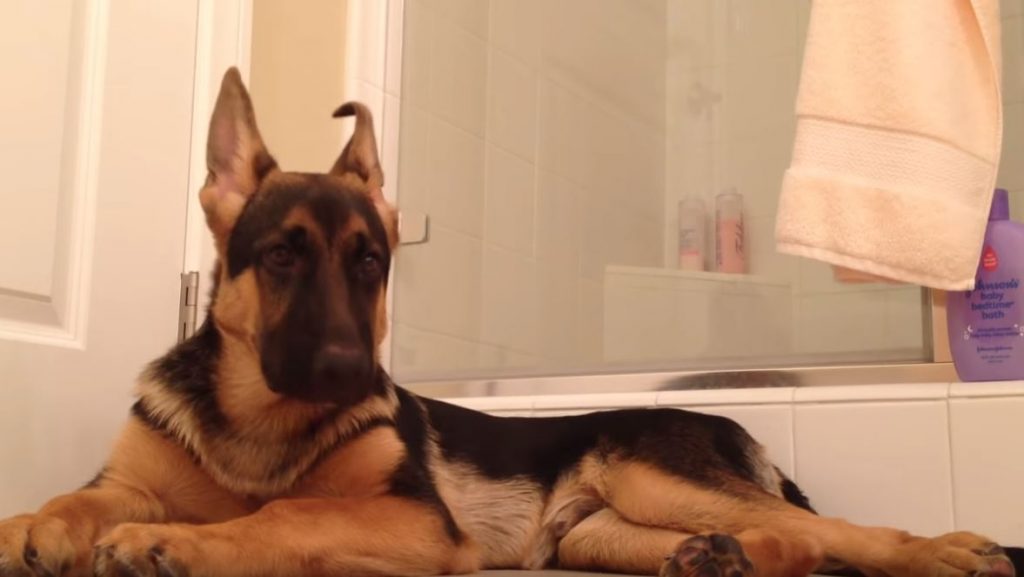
[
  {"x": 986, "y": 325},
  {"x": 692, "y": 234},
  {"x": 729, "y": 254}
]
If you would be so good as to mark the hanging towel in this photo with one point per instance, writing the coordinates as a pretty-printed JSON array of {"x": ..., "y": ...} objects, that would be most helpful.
[{"x": 899, "y": 130}]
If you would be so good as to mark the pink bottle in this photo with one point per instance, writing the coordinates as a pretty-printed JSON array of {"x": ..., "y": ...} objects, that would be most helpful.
[{"x": 729, "y": 255}]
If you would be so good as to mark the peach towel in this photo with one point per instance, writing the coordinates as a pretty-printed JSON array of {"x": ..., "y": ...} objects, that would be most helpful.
[{"x": 898, "y": 136}]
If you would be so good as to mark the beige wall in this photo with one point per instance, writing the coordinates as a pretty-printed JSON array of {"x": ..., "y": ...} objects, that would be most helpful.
[{"x": 298, "y": 66}]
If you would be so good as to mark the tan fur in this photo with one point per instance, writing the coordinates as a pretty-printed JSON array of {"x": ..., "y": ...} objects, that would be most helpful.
[
  {"x": 572, "y": 499},
  {"x": 645, "y": 495},
  {"x": 500, "y": 516},
  {"x": 607, "y": 542},
  {"x": 174, "y": 483},
  {"x": 360, "y": 468},
  {"x": 264, "y": 422},
  {"x": 782, "y": 533},
  {"x": 314, "y": 537},
  {"x": 766, "y": 475}
]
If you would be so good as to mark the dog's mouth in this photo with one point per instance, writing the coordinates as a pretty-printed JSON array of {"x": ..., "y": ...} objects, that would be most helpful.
[{"x": 335, "y": 374}]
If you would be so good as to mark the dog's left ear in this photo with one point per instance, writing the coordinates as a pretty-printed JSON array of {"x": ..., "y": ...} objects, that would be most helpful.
[
  {"x": 360, "y": 158},
  {"x": 236, "y": 157}
]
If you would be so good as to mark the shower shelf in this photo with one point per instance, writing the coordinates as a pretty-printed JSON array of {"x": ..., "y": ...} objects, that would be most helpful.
[{"x": 688, "y": 275}]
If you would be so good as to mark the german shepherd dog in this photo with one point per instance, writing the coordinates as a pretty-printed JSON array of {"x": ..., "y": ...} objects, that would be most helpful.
[{"x": 271, "y": 443}]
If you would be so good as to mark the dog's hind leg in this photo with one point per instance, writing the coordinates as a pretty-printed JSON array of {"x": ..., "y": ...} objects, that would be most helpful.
[
  {"x": 605, "y": 541},
  {"x": 646, "y": 495}
]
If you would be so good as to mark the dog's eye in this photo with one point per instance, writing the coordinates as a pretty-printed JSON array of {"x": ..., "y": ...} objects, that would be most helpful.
[
  {"x": 279, "y": 257},
  {"x": 370, "y": 267}
]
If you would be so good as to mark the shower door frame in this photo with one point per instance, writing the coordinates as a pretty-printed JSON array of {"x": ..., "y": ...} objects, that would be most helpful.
[{"x": 373, "y": 75}]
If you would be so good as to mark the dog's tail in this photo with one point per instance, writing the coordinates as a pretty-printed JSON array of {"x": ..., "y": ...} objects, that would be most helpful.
[{"x": 792, "y": 493}]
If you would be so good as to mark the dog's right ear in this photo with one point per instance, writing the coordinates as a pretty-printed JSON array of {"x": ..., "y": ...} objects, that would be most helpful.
[{"x": 235, "y": 157}]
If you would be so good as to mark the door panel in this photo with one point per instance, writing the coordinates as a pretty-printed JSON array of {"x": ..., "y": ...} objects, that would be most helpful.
[
  {"x": 51, "y": 53},
  {"x": 95, "y": 157}
]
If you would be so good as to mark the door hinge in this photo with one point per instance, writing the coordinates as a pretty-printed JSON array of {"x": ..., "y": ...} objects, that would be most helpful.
[{"x": 188, "y": 306}]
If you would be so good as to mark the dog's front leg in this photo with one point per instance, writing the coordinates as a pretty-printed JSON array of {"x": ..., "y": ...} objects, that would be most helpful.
[
  {"x": 383, "y": 535},
  {"x": 58, "y": 539},
  {"x": 147, "y": 479}
]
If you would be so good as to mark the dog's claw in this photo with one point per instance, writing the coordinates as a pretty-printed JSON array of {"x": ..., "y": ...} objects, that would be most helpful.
[
  {"x": 708, "y": 556},
  {"x": 162, "y": 563}
]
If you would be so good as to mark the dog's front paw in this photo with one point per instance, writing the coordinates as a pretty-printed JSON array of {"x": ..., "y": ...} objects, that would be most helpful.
[
  {"x": 138, "y": 550},
  {"x": 40, "y": 546},
  {"x": 712, "y": 555},
  {"x": 958, "y": 555}
]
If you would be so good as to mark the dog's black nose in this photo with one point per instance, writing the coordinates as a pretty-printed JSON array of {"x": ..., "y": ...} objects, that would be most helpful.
[{"x": 337, "y": 364}]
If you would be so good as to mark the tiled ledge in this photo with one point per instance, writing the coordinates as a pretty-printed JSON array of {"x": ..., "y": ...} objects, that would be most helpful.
[
  {"x": 868, "y": 393},
  {"x": 988, "y": 389},
  {"x": 525, "y": 404}
]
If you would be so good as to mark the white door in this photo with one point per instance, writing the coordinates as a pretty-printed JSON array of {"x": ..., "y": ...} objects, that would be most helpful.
[{"x": 95, "y": 124}]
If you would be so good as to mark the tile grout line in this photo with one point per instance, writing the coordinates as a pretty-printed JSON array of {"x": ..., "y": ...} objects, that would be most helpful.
[
  {"x": 952, "y": 465},
  {"x": 792, "y": 434}
]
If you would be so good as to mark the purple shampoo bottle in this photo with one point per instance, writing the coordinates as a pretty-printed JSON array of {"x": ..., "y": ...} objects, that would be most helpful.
[{"x": 986, "y": 325}]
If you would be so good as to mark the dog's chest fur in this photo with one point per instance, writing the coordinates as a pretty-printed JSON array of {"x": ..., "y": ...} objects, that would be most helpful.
[{"x": 263, "y": 466}]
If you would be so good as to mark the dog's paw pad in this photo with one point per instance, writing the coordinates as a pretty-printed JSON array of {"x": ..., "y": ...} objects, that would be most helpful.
[{"x": 713, "y": 555}]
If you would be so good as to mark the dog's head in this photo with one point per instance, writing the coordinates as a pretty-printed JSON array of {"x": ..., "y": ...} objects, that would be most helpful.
[{"x": 303, "y": 258}]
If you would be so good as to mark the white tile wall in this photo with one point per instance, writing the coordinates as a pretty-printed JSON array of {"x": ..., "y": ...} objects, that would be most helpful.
[
  {"x": 876, "y": 463},
  {"x": 696, "y": 316},
  {"x": 510, "y": 200},
  {"x": 632, "y": 314},
  {"x": 371, "y": 21},
  {"x": 393, "y": 51},
  {"x": 559, "y": 216},
  {"x": 471, "y": 15},
  {"x": 429, "y": 350},
  {"x": 515, "y": 28},
  {"x": 856, "y": 322},
  {"x": 562, "y": 143},
  {"x": 512, "y": 105},
  {"x": 414, "y": 169},
  {"x": 558, "y": 313},
  {"x": 1011, "y": 8},
  {"x": 439, "y": 288},
  {"x": 458, "y": 77},
  {"x": 758, "y": 30},
  {"x": 1013, "y": 58},
  {"x": 988, "y": 473},
  {"x": 590, "y": 316},
  {"x": 417, "y": 32},
  {"x": 509, "y": 304},
  {"x": 513, "y": 125},
  {"x": 457, "y": 176},
  {"x": 1011, "y": 170}
]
